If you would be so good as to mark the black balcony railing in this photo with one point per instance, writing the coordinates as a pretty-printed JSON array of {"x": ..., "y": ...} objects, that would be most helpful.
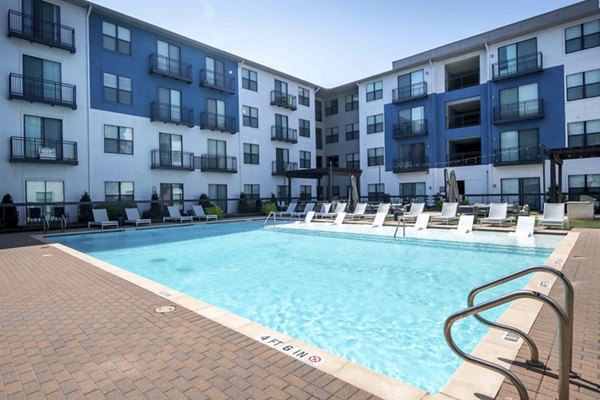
[
  {"x": 410, "y": 128},
  {"x": 517, "y": 66},
  {"x": 411, "y": 165},
  {"x": 42, "y": 91},
  {"x": 284, "y": 134},
  {"x": 460, "y": 81},
  {"x": 217, "y": 122},
  {"x": 170, "y": 67},
  {"x": 162, "y": 159},
  {"x": 43, "y": 151},
  {"x": 410, "y": 92},
  {"x": 519, "y": 155},
  {"x": 216, "y": 80},
  {"x": 463, "y": 120},
  {"x": 41, "y": 31},
  {"x": 353, "y": 164},
  {"x": 168, "y": 113},
  {"x": 282, "y": 99},
  {"x": 464, "y": 158},
  {"x": 280, "y": 168},
  {"x": 518, "y": 111},
  {"x": 217, "y": 163}
]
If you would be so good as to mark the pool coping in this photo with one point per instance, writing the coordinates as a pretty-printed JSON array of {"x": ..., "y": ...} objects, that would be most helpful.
[{"x": 468, "y": 381}]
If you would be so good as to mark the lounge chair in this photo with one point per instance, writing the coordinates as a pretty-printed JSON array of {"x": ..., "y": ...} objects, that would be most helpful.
[
  {"x": 416, "y": 209},
  {"x": 525, "y": 227},
  {"x": 339, "y": 219},
  {"x": 198, "y": 212},
  {"x": 101, "y": 219},
  {"x": 309, "y": 217},
  {"x": 465, "y": 224},
  {"x": 325, "y": 207},
  {"x": 497, "y": 214},
  {"x": 359, "y": 211},
  {"x": 307, "y": 208},
  {"x": 554, "y": 215},
  {"x": 422, "y": 221},
  {"x": 341, "y": 207},
  {"x": 448, "y": 213},
  {"x": 175, "y": 215},
  {"x": 290, "y": 209},
  {"x": 133, "y": 217},
  {"x": 382, "y": 212}
]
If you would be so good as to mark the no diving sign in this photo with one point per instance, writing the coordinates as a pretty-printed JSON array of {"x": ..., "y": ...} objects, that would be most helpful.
[{"x": 290, "y": 349}]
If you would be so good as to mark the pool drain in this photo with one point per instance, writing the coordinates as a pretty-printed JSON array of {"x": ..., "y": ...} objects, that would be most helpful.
[{"x": 164, "y": 309}]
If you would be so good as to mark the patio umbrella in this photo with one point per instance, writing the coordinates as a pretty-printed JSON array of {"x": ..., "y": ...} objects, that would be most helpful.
[
  {"x": 452, "y": 188},
  {"x": 353, "y": 195}
]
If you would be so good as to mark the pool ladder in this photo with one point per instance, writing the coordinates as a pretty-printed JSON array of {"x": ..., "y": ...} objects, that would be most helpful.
[
  {"x": 565, "y": 328},
  {"x": 269, "y": 216}
]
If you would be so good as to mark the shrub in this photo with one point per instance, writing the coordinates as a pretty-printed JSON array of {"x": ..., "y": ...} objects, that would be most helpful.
[
  {"x": 204, "y": 201},
  {"x": 268, "y": 208},
  {"x": 247, "y": 204},
  {"x": 116, "y": 210},
  {"x": 155, "y": 211},
  {"x": 216, "y": 210},
  {"x": 85, "y": 210},
  {"x": 10, "y": 215}
]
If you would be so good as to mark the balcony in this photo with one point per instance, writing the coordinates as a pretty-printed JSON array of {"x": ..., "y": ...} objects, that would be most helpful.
[
  {"x": 353, "y": 164},
  {"x": 410, "y": 129},
  {"x": 518, "y": 111},
  {"x": 38, "y": 90},
  {"x": 517, "y": 66},
  {"x": 407, "y": 93},
  {"x": 280, "y": 168},
  {"x": 519, "y": 155},
  {"x": 217, "y": 81},
  {"x": 217, "y": 122},
  {"x": 170, "y": 67},
  {"x": 180, "y": 160},
  {"x": 284, "y": 134},
  {"x": 284, "y": 100},
  {"x": 464, "y": 159},
  {"x": 414, "y": 164},
  {"x": 464, "y": 120},
  {"x": 41, "y": 31},
  {"x": 217, "y": 163},
  {"x": 168, "y": 113},
  {"x": 43, "y": 151},
  {"x": 462, "y": 81}
]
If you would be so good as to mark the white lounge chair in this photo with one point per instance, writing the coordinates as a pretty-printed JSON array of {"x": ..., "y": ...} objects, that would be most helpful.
[
  {"x": 382, "y": 212},
  {"x": 497, "y": 214},
  {"x": 339, "y": 219},
  {"x": 307, "y": 208},
  {"x": 198, "y": 212},
  {"x": 525, "y": 227},
  {"x": 341, "y": 207},
  {"x": 290, "y": 209},
  {"x": 309, "y": 216},
  {"x": 175, "y": 215},
  {"x": 359, "y": 211},
  {"x": 554, "y": 215},
  {"x": 101, "y": 219},
  {"x": 133, "y": 217},
  {"x": 448, "y": 213},
  {"x": 416, "y": 209},
  {"x": 422, "y": 222},
  {"x": 465, "y": 224},
  {"x": 325, "y": 207}
]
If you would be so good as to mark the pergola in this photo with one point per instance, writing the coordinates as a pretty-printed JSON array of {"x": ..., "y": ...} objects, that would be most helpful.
[
  {"x": 557, "y": 156},
  {"x": 318, "y": 174}
]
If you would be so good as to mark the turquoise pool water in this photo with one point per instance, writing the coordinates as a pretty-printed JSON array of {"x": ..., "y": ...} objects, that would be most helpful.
[{"x": 375, "y": 301}]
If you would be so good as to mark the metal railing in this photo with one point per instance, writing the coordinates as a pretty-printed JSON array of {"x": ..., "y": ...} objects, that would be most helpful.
[
  {"x": 280, "y": 168},
  {"x": 217, "y": 80},
  {"x": 284, "y": 134},
  {"x": 218, "y": 163},
  {"x": 517, "y": 66},
  {"x": 162, "y": 159},
  {"x": 171, "y": 67},
  {"x": 464, "y": 158},
  {"x": 274, "y": 215},
  {"x": 410, "y": 165},
  {"x": 41, "y": 31},
  {"x": 565, "y": 327},
  {"x": 408, "y": 129},
  {"x": 283, "y": 99},
  {"x": 464, "y": 120},
  {"x": 217, "y": 122},
  {"x": 42, "y": 91},
  {"x": 519, "y": 155},
  {"x": 519, "y": 110},
  {"x": 169, "y": 113},
  {"x": 410, "y": 92},
  {"x": 43, "y": 150},
  {"x": 460, "y": 81}
]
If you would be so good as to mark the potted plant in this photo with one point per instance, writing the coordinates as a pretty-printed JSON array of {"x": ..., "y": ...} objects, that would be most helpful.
[
  {"x": 10, "y": 215},
  {"x": 85, "y": 210}
]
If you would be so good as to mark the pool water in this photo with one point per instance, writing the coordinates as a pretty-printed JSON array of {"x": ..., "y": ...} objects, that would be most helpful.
[{"x": 378, "y": 302}]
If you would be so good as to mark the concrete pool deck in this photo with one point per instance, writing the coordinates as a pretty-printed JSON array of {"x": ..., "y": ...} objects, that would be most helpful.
[{"x": 69, "y": 329}]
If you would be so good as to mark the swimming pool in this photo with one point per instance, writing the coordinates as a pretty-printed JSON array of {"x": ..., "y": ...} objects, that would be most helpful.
[{"x": 376, "y": 301}]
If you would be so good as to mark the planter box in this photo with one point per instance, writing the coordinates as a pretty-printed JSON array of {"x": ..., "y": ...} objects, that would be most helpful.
[{"x": 580, "y": 210}]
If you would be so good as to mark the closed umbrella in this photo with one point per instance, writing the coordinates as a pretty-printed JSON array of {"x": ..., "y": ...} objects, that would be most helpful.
[
  {"x": 452, "y": 188},
  {"x": 353, "y": 195}
]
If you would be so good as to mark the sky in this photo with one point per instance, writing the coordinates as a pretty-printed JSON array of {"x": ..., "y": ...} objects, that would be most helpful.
[{"x": 330, "y": 42}]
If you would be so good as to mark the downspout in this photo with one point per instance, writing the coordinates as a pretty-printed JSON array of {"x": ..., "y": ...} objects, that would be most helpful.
[
  {"x": 240, "y": 118},
  {"x": 360, "y": 184},
  {"x": 490, "y": 165},
  {"x": 434, "y": 141},
  {"x": 87, "y": 77}
]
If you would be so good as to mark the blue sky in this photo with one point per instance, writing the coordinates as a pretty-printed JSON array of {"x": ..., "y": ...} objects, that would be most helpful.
[{"x": 330, "y": 42}]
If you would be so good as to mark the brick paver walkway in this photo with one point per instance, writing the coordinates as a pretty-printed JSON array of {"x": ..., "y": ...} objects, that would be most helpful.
[{"x": 583, "y": 269}]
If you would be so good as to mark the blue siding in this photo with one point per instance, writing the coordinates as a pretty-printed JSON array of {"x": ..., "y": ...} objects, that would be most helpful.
[{"x": 144, "y": 84}]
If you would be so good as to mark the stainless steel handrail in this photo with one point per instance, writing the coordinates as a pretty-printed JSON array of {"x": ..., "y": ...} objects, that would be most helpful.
[
  {"x": 398, "y": 227},
  {"x": 269, "y": 216}
]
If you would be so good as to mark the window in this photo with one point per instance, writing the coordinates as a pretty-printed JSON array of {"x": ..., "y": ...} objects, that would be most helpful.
[
  {"x": 319, "y": 138},
  {"x": 249, "y": 80},
  {"x": 218, "y": 195},
  {"x": 303, "y": 97},
  {"x": 411, "y": 156},
  {"x": 583, "y": 36},
  {"x": 517, "y": 57},
  {"x": 519, "y": 102},
  {"x": 375, "y": 123},
  {"x": 250, "y": 116},
  {"x": 332, "y": 135},
  {"x": 352, "y": 131},
  {"x": 521, "y": 191},
  {"x": 217, "y": 148},
  {"x": 41, "y": 133},
  {"x": 411, "y": 121},
  {"x": 172, "y": 194},
  {"x": 282, "y": 192},
  {"x": 375, "y": 156},
  {"x": 282, "y": 159},
  {"x": 171, "y": 150},
  {"x": 250, "y": 153},
  {"x": 116, "y": 38},
  {"x": 44, "y": 191},
  {"x": 281, "y": 87},
  {"x": 333, "y": 161},
  {"x": 305, "y": 159},
  {"x": 118, "y": 139},
  {"x": 252, "y": 190},
  {"x": 375, "y": 91},
  {"x": 305, "y": 192},
  {"x": 41, "y": 20},
  {"x": 585, "y": 133},
  {"x": 412, "y": 85},
  {"x": 304, "y": 127},
  {"x": 376, "y": 191},
  {"x": 414, "y": 190},
  {"x": 588, "y": 184},
  {"x": 118, "y": 191},
  {"x": 117, "y": 89},
  {"x": 215, "y": 72},
  {"x": 352, "y": 160},
  {"x": 42, "y": 78},
  {"x": 520, "y": 145},
  {"x": 318, "y": 111},
  {"x": 167, "y": 59},
  {"x": 352, "y": 102},
  {"x": 169, "y": 104},
  {"x": 331, "y": 107},
  {"x": 335, "y": 191},
  {"x": 583, "y": 85}
]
